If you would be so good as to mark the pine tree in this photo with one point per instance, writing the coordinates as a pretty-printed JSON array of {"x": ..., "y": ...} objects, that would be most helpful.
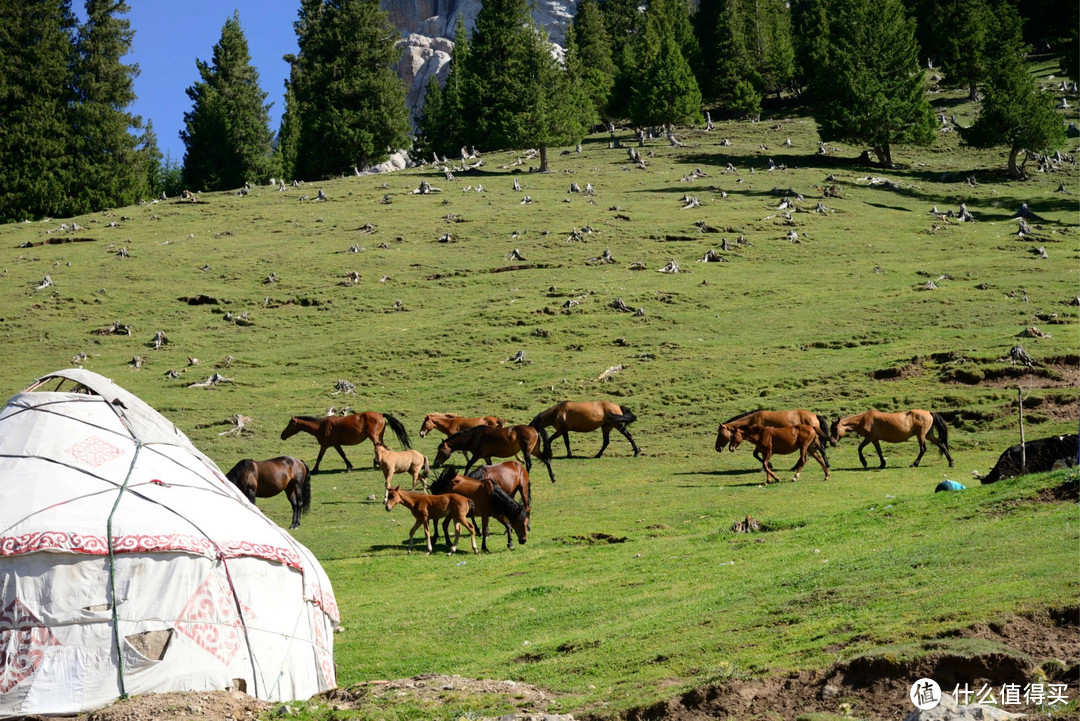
[
  {"x": 349, "y": 97},
  {"x": 150, "y": 160},
  {"x": 288, "y": 137},
  {"x": 667, "y": 93},
  {"x": 36, "y": 46},
  {"x": 723, "y": 29},
  {"x": 1014, "y": 112},
  {"x": 443, "y": 124},
  {"x": 227, "y": 134},
  {"x": 104, "y": 148},
  {"x": 870, "y": 87},
  {"x": 588, "y": 57},
  {"x": 515, "y": 89},
  {"x": 963, "y": 42}
]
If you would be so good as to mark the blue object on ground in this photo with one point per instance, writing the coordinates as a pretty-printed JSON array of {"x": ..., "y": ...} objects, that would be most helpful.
[{"x": 950, "y": 486}]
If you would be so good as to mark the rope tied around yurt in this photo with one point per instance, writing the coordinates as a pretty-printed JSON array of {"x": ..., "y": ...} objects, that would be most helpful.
[{"x": 112, "y": 565}]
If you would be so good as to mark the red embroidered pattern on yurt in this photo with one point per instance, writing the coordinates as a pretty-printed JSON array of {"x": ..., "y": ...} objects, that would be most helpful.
[
  {"x": 94, "y": 452},
  {"x": 326, "y": 662},
  {"x": 23, "y": 639},
  {"x": 210, "y": 620}
]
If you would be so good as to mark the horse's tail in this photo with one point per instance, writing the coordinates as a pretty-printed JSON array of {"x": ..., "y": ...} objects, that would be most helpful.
[
  {"x": 427, "y": 468},
  {"x": 399, "y": 430},
  {"x": 540, "y": 424},
  {"x": 305, "y": 489},
  {"x": 623, "y": 417},
  {"x": 942, "y": 432},
  {"x": 442, "y": 483}
]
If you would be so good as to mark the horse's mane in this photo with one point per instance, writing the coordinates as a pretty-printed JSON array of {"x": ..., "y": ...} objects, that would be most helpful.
[
  {"x": 478, "y": 473},
  {"x": 442, "y": 483},
  {"x": 468, "y": 432},
  {"x": 741, "y": 415},
  {"x": 504, "y": 505},
  {"x": 314, "y": 419}
]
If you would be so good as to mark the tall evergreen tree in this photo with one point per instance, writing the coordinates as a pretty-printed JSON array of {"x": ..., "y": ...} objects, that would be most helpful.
[
  {"x": 588, "y": 57},
  {"x": 288, "y": 137},
  {"x": 963, "y": 41},
  {"x": 870, "y": 86},
  {"x": 1014, "y": 112},
  {"x": 227, "y": 133},
  {"x": 348, "y": 94},
  {"x": 104, "y": 146},
  {"x": 443, "y": 124},
  {"x": 625, "y": 23},
  {"x": 516, "y": 90},
  {"x": 151, "y": 161},
  {"x": 667, "y": 92},
  {"x": 723, "y": 31},
  {"x": 36, "y": 39}
]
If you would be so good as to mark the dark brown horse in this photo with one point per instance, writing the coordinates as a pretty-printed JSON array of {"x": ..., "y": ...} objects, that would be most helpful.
[
  {"x": 773, "y": 419},
  {"x": 265, "y": 479},
  {"x": 425, "y": 507},
  {"x": 489, "y": 501},
  {"x": 485, "y": 442},
  {"x": 510, "y": 476},
  {"x": 772, "y": 441},
  {"x": 449, "y": 423},
  {"x": 585, "y": 417},
  {"x": 337, "y": 431},
  {"x": 875, "y": 426}
]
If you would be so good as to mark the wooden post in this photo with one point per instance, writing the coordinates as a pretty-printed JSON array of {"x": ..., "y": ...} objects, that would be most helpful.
[{"x": 1023, "y": 447}]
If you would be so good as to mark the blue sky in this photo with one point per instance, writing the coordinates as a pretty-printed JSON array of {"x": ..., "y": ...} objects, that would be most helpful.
[{"x": 171, "y": 34}]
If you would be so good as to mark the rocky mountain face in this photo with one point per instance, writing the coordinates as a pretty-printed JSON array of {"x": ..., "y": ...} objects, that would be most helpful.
[{"x": 427, "y": 31}]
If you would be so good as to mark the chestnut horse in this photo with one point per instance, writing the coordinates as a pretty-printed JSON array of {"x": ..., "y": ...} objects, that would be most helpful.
[
  {"x": 875, "y": 426},
  {"x": 426, "y": 507},
  {"x": 772, "y": 441},
  {"x": 510, "y": 476},
  {"x": 412, "y": 462},
  {"x": 489, "y": 501},
  {"x": 337, "y": 431},
  {"x": 485, "y": 442},
  {"x": 450, "y": 423},
  {"x": 585, "y": 417},
  {"x": 773, "y": 419},
  {"x": 265, "y": 479}
]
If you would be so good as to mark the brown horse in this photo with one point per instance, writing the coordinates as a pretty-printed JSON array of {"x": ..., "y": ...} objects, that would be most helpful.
[
  {"x": 510, "y": 476},
  {"x": 425, "y": 507},
  {"x": 875, "y": 426},
  {"x": 489, "y": 501},
  {"x": 265, "y": 479},
  {"x": 773, "y": 419},
  {"x": 337, "y": 431},
  {"x": 485, "y": 442},
  {"x": 584, "y": 418},
  {"x": 449, "y": 423},
  {"x": 412, "y": 462},
  {"x": 772, "y": 441}
]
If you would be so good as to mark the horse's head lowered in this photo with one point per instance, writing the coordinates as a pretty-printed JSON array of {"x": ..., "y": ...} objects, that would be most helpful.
[
  {"x": 393, "y": 497},
  {"x": 428, "y": 426},
  {"x": 737, "y": 437},
  {"x": 292, "y": 429},
  {"x": 442, "y": 454},
  {"x": 836, "y": 431},
  {"x": 514, "y": 513},
  {"x": 724, "y": 436}
]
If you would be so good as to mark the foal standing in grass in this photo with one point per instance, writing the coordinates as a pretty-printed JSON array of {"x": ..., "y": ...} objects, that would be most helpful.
[
  {"x": 412, "y": 462},
  {"x": 425, "y": 508}
]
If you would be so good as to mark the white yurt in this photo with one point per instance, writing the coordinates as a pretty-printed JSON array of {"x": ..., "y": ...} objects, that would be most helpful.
[{"x": 130, "y": 565}]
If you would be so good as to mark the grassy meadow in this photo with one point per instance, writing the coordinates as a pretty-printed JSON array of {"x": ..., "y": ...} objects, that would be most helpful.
[{"x": 631, "y": 587}]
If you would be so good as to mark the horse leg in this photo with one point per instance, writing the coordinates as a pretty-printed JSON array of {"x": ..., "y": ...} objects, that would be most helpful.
[
  {"x": 427, "y": 535},
  {"x": 621, "y": 429},
  {"x": 471, "y": 461},
  {"x": 863, "y": 445},
  {"x": 818, "y": 456},
  {"x": 606, "y": 430},
  {"x": 801, "y": 462},
  {"x": 413, "y": 530},
  {"x": 315, "y": 468},
  {"x": 348, "y": 466},
  {"x": 472, "y": 532},
  {"x": 457, "y": 535},
  {"x": 293, "y": 494},
  {"x": 484, "y": 534},
  {"x": 389, "y": 473},
  {"x": 877, "y": 447},
  {"x": 769, "y": 473},
  {"x": 922, "y": 450},
  {"x": 941, "y": 445}
]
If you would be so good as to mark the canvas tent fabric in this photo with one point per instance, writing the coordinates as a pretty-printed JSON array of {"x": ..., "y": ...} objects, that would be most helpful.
[{"x": 130, "y": 565}]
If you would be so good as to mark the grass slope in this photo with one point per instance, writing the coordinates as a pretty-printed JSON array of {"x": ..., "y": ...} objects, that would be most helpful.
[{"x": 837, "y": 322}]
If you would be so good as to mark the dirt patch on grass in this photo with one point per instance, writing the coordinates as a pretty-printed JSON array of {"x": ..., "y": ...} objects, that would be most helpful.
[
  {"x": 213, "y": 706},
  {"x": 589, "y": 540},
  {"x": 914, "y": 369},
  {"x": 435, "y": 688},
  {"x": 875, "y": 686},
  {"x": 1059, "y": 372}
]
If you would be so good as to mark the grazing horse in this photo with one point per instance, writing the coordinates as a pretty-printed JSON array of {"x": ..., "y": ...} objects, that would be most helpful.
[
  {"x": 485, "y": 442},
  {"x": 412, "y": 462},
  {"x": 875, "y": 426},
  {"x": 425, "y": 507},
  {"x": 585, "y": 418},
  {"x": 489, "y": 501},
  {"x": 449, "y": 423},
  {"x": 771, "y": 441},
  {"x": 337, "y": 431},
  {"x": 510, "y": 476},
  {"x": 773, "y": 419},
  {"x": 265, "y": 479}
]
